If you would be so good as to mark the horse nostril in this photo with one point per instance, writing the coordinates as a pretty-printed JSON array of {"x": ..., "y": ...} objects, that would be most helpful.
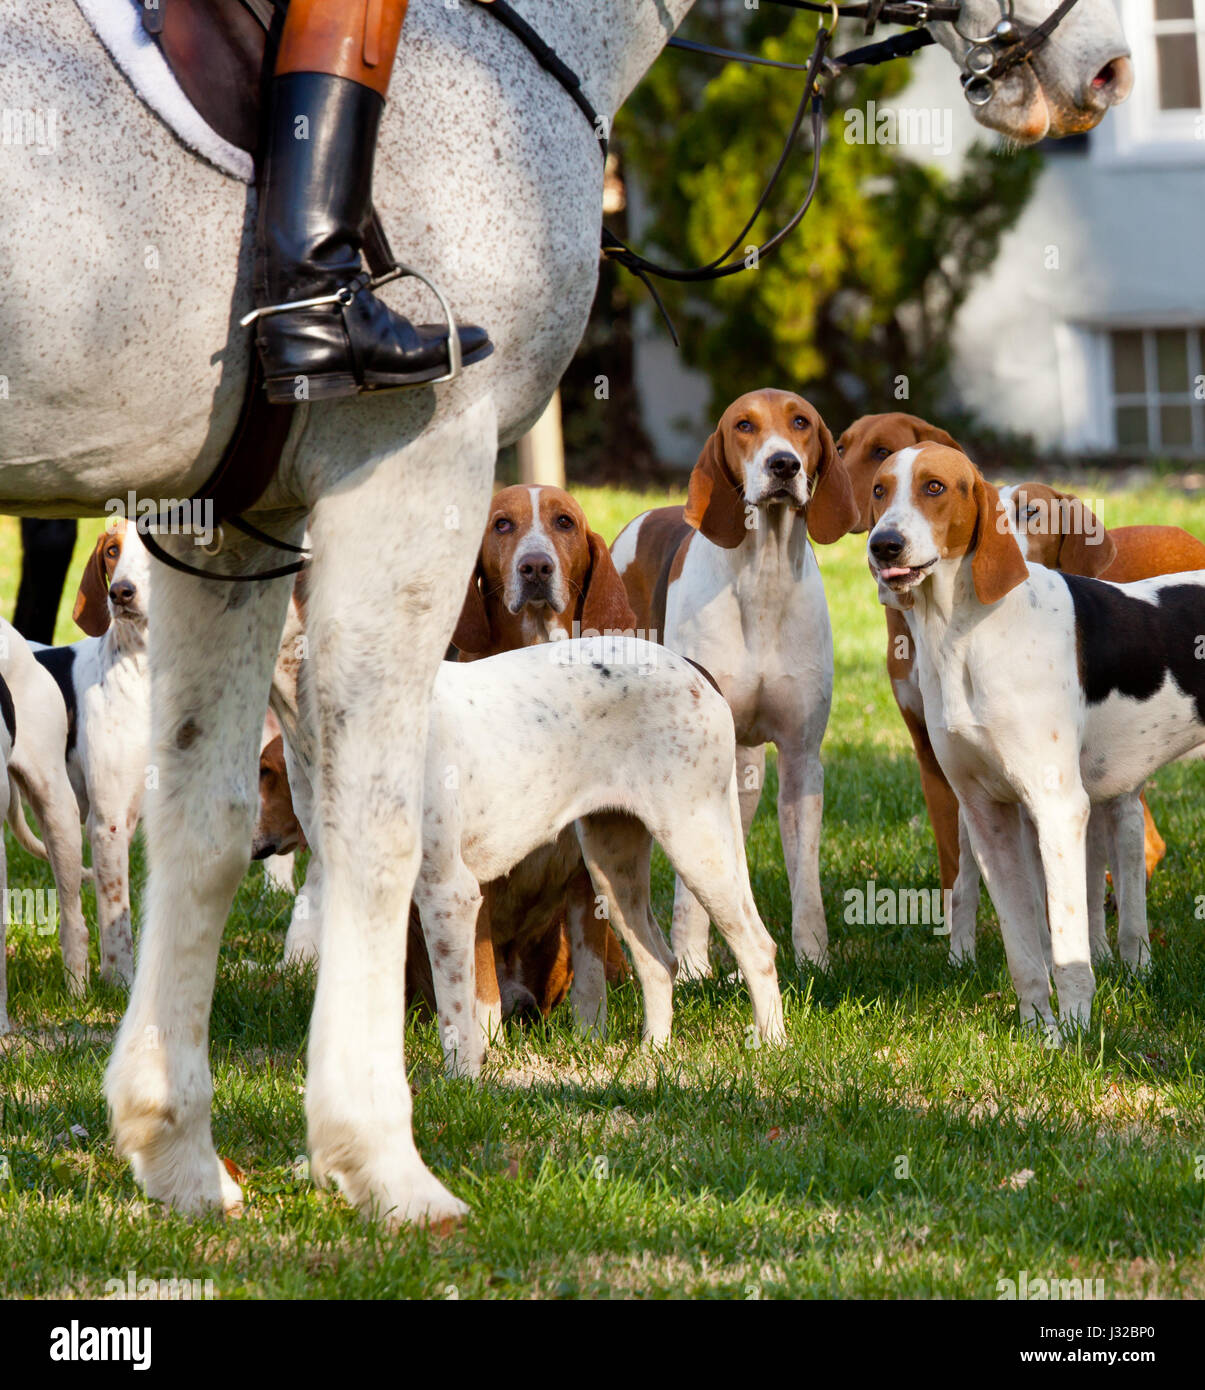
[{"x": 1114, "y": 80}]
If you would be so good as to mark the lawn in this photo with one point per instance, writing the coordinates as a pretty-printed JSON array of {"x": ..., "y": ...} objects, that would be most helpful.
[{"x": 909, "y": 1140}]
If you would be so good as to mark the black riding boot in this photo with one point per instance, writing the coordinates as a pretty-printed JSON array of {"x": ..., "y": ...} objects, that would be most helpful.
[{"x": 316, "y": 200}]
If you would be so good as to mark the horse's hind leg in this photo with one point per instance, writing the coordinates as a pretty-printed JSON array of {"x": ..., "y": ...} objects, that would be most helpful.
[
  {"x": 617, "y": 849},
  {"x": 393, "y": 548},
  {"x": 212, "y": 646}
]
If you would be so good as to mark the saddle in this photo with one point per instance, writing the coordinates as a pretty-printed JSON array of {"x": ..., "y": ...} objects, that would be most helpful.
[{"x": 217, "y": 51}]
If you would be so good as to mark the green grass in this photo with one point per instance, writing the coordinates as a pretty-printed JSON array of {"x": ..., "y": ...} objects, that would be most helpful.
[{"x": 882, "y": 1152}]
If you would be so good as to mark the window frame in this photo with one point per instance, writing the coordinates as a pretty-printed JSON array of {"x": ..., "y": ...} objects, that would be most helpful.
[
  {"x": 1153, "y": 398},
  {"x": 1139, "y": 132}
]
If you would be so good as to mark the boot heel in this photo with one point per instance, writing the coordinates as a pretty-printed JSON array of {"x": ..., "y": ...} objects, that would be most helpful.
[{"x": 297, "y": 389}]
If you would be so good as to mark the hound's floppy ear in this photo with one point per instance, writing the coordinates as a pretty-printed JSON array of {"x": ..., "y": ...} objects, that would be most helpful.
[
  {"x": 997, "y": 565},
  {"x": 714, "y": 504},
  {"x": 832, "y": 510},
  {"x": 605, "y": 606},
  {"x": 473, "y": 632},
  {"x": 926, "y": 431},
  {"x": 91, "y": 611},
  {"x": 1087, "y": 548}
]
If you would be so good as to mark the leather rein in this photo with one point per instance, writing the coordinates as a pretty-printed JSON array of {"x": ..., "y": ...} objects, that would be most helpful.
[{"x": 987, "y": 60}]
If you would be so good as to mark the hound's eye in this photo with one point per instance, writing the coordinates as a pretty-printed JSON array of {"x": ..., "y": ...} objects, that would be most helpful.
[
  {"x": 880, "y": 453},
  {"x": 503, "y": 524},
  {"x": 800, "y": 422},
  {"x": 1031, "y": 512},
  {"x": 745, "y": 426},
  {"x": 934, "y": 488},
  {"x": 565, "y": 522},
  {"x": 840, "y": 451},
  {"x": 879, "y": 490},
  {"x": 113, "y": 551}
]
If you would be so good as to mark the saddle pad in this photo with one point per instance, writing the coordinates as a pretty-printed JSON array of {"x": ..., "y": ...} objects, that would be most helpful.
[{"x": 118, "y": 25}]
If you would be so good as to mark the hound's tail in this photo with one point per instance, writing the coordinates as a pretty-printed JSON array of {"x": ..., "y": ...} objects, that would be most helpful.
[{"x": 24, "y": 836}]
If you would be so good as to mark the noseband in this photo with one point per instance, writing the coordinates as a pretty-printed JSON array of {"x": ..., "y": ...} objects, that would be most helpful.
[{"x": 1007, "y": 46}]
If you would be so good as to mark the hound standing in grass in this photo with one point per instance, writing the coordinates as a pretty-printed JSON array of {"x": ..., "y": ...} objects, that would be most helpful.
[
  {"x": 106, "y": 688},
  {"x": 732, "y": 582},
  {"x": 1042, "y": 691}
]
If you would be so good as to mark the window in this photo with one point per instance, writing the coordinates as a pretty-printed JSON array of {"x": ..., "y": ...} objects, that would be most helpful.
[
  {"x": 1156, "y": 390},
  {"x": 1162, "y": 122},
  {"x": 1179, "y": 33}
]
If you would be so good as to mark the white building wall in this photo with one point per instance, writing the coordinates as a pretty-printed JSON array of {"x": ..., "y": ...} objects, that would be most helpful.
[{"x": 1111, "y": 238}]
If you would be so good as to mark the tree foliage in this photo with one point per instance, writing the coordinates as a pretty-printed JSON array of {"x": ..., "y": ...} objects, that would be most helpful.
[{"x": 864, "y": 291}]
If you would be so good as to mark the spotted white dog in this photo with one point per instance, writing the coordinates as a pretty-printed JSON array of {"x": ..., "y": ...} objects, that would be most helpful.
[
  {"x": 1043, "y": 692},
  {"x": 32, "y": 740},
  {"x": 625, "y": 739}
]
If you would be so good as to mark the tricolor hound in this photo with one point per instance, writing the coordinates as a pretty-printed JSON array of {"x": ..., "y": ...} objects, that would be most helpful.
[
  {"x": 1042, "y": 692},
  {"x": 1057, "y": 530},
  {"x": 1053, "y": 529},
  {"x": 732, "y": 583},
  {"x": 106, "y": 688}
]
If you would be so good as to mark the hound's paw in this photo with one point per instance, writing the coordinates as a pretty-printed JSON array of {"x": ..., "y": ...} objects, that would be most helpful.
[
  {"x": 774, "y": 1034},
  {"x": 692, "y": 966},
  {"x": 408, "y": 1195}
]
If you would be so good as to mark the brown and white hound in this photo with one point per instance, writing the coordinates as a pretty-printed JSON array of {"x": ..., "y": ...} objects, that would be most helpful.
[
  {"x": 542, "y": 575},
  {"x": 731, "y": 581}
]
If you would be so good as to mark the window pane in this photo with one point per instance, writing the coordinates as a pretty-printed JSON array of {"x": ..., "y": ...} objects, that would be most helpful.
[
  {"x": 1175, "y": 422},
  {"x": 1128, "y": 372},
  {"x": 1131, "y": 425},
  {"x": 1171, "y": 349},
  {"x": 1173, "y": 9},
  {"x": 1179, "y": 84}
]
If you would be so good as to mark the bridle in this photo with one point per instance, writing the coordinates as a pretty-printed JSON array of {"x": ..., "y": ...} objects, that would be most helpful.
[
  {"x": 987, "y": 60},
  {"x": 1007, "y": 46}
]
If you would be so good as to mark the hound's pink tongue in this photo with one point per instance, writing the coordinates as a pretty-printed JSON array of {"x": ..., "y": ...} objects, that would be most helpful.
[{"x": 893, "y": 573}]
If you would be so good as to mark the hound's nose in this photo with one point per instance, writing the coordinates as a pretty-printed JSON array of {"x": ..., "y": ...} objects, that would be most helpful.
[
  {"x": 122, "y": 592},
  {"x": 536, "y": 566},
  {"x": 886, "y": 546},
  {"x": 782, "y": 465}
]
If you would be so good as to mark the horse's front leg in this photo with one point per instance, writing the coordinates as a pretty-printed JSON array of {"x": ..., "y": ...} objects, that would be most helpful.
[
  {"x": 393, "y": 549},
  {"x": 212, "y": 647}
]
